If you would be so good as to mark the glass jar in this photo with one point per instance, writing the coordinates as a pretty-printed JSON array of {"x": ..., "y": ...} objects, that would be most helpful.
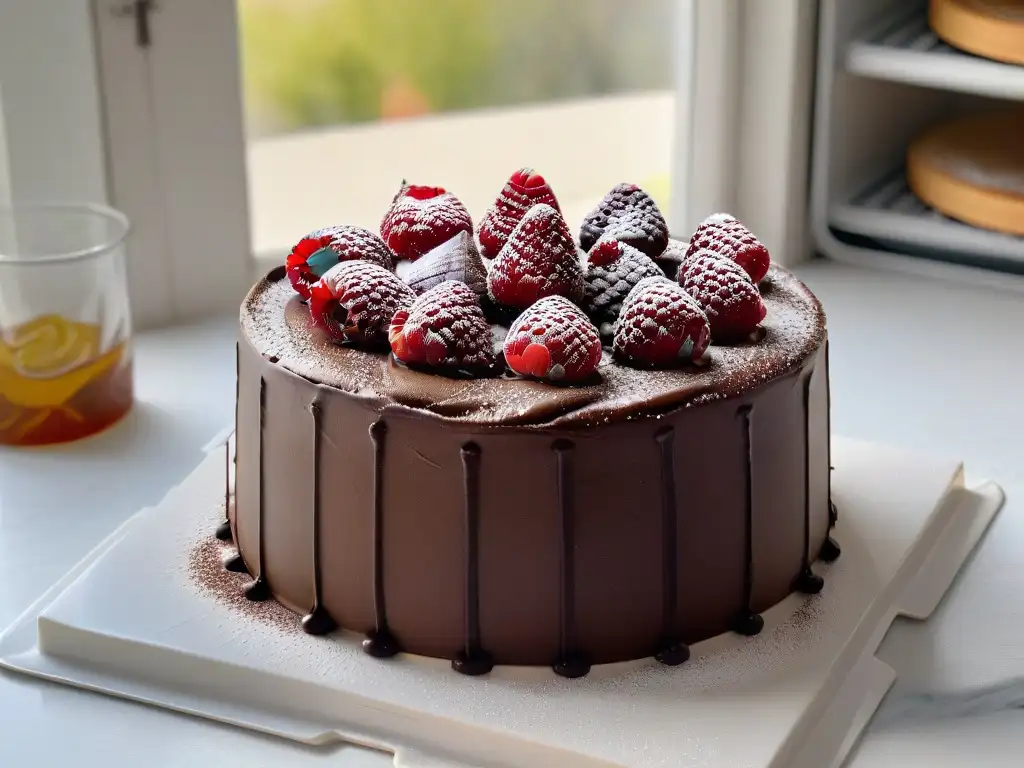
[{"x": 65, "y": 322}]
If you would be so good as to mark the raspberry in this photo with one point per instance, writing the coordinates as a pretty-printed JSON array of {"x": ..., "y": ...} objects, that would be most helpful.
[
  {"x": 632, "y": 216},
  {"x": 610, "y": 279},
  {"x": 728, "y": 237},
  {"x": 605, "y": 251},
  {"x": 354, "y": 302},
  {"x": 521, "y": 192},
  {"x": 445, "y": 329},
  {"x": 672, "y": 258},
  {"x": 660, "y": 325},
  {"x": 458, "y": 259},
  {"x": 318, "y": 251},
  {"x": 422, "y": 218},
  {"x": 539, "y": 259},
  {"x": 553, "y": 340},
  {"x": 725, "y": 292}
]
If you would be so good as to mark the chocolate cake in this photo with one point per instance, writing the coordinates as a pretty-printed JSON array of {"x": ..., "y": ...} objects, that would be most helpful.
[{"x": 488, "y": 479}]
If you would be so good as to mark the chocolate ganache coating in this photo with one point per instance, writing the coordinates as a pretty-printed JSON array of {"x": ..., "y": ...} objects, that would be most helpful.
[{"x": 505, "y": 521}]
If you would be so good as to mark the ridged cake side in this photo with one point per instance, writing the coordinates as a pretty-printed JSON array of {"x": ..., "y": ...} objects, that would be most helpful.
[{"x": 617, "y": 528}]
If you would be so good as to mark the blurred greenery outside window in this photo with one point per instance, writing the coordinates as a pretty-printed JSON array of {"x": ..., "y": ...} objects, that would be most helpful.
[{"x": 313, "y": 63}]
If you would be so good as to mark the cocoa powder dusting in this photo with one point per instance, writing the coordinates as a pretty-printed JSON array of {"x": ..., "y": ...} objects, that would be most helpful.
[{"x": 206, "y": 570}]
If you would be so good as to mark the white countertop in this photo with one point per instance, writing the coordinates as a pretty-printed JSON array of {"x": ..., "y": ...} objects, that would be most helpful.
[{"x": 927, "y": 366}]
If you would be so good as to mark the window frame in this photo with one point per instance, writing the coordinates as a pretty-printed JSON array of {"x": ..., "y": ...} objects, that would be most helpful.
[{"x": 747, "y": 101}]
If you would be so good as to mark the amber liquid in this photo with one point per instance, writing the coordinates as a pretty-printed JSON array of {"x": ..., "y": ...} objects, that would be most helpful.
[{"x": 57, "y": 384}]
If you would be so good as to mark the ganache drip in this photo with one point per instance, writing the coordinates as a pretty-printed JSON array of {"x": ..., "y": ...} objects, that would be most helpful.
[
  {"x": 673, "y": 651},
  {"x": 223, "y": 531},
  {"x": 379, "y": 642},
  {"x": 258, "y": 589},
  {"x": 318, "y": 621},
  {"x": 833, "y": 513},
  {"x": 570, "y": 663},
  {"x": 830, "y": 551},
  {"x": 748, "y": 622},
  {"x": 473, "y": 660},
  {"x": 807, "y": 581}
]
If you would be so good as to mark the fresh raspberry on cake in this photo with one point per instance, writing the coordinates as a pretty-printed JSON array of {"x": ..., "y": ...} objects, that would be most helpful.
[
  {"x": 553, "y": 340},
  {"x": 605, "y": 251},
  {"x": 525, "y": 189},
  {"x": 355, "y": 301},
  {"x": 727, "y": 236},
  {"x": 457, "y": 259},
  {"x": 318, "y": 251},
  {"x": 672, "y": 257},
  {"x": 660, "y": 326},
  {"x": 539, "y": 259},
  {"x": 445, "y": 329},
  {"x": 632, "y": 216},
  {"x": 422, "y": 218},
  {"x": 726, "y": 293},
  {"x": 613, "y": 271}
]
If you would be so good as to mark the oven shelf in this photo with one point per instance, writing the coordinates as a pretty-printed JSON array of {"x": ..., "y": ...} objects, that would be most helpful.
[
  {"x": 904, "y": 49},
  {"x": 888, "y": 212}
]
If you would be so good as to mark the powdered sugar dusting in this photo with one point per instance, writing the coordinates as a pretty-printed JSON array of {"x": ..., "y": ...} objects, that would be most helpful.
[
  {"x": 661, "y": 325},
  {"x": 445, "y": 328},
  {"x": 723, "y": 234},
  {"x": 609, "y": 284},
  {"x": 508, "y": 210},
  {"x": 709, "y": 274},
  {"x": 539, "y": 259},
  {"x": 277, "y": 324},
  {"x": 366, "y": 294},
  {"x": 555, "y": 323},
  {"x": 672, "y": 257},
  {"x": 351, "y": 242},
  {"x": 720, "y": 218},
  {"x": 631, "y": 215},
  {"x": 456, "y": 259},
  {"x": 414, "y": 226},
  {"x": 725, "y": 293},
  {"x": 424, "y": 216}
]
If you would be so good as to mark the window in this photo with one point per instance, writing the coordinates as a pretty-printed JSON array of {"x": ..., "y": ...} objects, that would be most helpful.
[
  {"x": 346, "y": 98},
  {"x": 692, "y": 99}
]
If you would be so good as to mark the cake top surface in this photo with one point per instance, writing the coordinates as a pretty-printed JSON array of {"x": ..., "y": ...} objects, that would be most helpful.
[{"x": 279, "y": 326}]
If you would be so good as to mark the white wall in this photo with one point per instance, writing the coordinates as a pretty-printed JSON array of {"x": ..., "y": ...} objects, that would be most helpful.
[{"x": 51, "y": 139}]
